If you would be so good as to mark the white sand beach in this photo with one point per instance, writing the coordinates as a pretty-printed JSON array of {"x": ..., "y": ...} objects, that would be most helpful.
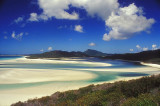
[
  {"x": 8, "y": 97},
  {"x": 52, "y": 61},
  {"x": 12, "y": 76},
  {"x": 148, "y": 70},
  {"x": 62, "y": 79},
  {"x": 151, "y": 64}
]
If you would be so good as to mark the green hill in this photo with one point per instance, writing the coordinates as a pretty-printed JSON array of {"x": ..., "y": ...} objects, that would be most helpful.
[
  {"x": 94, "y": 53},
  {"x": 58, "y": 54},
  {"x": 146, "y": 56}
]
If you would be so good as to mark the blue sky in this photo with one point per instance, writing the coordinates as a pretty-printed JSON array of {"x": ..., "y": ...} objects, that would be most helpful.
[{"x": 110, "y": 26}]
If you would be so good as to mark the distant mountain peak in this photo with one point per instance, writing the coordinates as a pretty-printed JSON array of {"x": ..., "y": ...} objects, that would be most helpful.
[{"x": 94, "y": 53}]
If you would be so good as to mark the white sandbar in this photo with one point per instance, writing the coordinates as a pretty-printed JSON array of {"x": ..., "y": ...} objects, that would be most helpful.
[
  {"x": 151, "y": 65},
  {"x": 15, "y": 75},
  {"x": 52, "y": 61},
  {"x": 138, "y": 69}
]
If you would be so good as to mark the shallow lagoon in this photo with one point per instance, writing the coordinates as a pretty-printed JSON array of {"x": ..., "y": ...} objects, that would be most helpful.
[
  {"x": 83, "y": 74},
  {"x": 101, "y": 76}
]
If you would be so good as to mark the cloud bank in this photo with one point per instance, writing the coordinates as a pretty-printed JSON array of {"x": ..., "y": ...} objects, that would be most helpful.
[
  {"x": 123, "y": 22},
  {"x": 57, "y": 9},
  {"x": 126, "y": 22}
]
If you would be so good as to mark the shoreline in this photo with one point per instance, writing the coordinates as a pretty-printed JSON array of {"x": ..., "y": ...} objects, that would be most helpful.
[
  {"x": 25, "y": 94},
  {"x": 37, "y": 75},
  {"x": 22, "y": 76},
  {"x": 150, "y": 64},
  {"x": 74, "y": 58},
  {"x": 38, "y": 61},
  {"x": 33, "y": 96}
]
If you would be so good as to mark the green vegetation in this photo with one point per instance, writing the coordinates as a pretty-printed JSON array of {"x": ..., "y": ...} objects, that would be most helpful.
[
  {"x": 146, "y": 56},
  {"x": 57, "y": 54},
  {"x": 155, "y": 60},
  {"x": 94, "y": 53},
  {"x": 141, "y": 92}
]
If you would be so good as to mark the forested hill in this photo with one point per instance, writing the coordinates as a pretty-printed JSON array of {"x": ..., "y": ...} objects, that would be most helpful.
[
  {"x": 148, "y": 56},
  {"x": 140, "y": 92},
  {"x": 57, "y": 54}
]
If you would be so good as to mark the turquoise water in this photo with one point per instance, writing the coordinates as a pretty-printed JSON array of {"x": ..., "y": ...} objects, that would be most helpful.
[
  {"x": 9, "y": 57},
  {"x": 102, "y": 76}
]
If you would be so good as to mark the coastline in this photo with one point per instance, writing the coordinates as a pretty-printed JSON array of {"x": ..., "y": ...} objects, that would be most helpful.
[
  {"x": 38, "y": 75},
  {"x": 150, "y": 64},
  {"x": 53, "y": 61},
  {"x": 24, "y": 94}
]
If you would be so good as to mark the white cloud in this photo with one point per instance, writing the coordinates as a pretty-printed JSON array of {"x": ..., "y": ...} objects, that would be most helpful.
[
  {"x": 126, "y": 22},
  {"x": 36, "y": 17},
  {"x": 41, "y": 50},
  {"x": 154, "y": 47},
  {"x": 33, "y": 17},
  {"x": 13, "y": 35},
  {"x": 43, "y": 17},
  {"x": 123, "y": 22},
  {"x": 92, "y": 44},
  {"x": 131, "y": 50},
  {"x": 57, "y": 8},
  {"x": 18, "y": 36},
  {"x": 78, "y": 28},
  {"x": 49, "y": 48},
  {"x": 106, "y": 37},
  {"x": 138, "y": 47},
  {"x": 100, "y": 8},
  {"x": 145, "y": 49},
  {"x": 19, "y": 19}
]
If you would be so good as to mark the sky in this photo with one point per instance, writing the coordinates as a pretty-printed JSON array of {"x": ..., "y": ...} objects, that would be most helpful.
[{"x": 110, "y": 26}]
